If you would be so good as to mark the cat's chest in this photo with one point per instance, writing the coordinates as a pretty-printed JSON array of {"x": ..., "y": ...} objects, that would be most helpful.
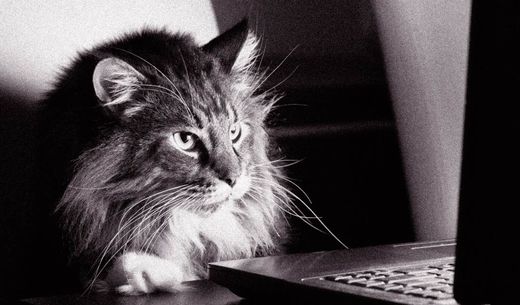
[{"x": 220, "y": 235}]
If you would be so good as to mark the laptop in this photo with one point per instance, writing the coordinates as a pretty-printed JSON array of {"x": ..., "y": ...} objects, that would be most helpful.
[{"x": 472, "y": 269}]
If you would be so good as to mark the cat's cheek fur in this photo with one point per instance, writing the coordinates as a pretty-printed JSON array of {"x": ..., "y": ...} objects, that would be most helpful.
[
  {"x": 241, "y": 187},
  {"x": 136, "y": 273}
]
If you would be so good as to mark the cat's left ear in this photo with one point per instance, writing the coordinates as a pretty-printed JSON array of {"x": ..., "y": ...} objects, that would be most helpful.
[
  {"x": 115, "y": 81},
  {"x": 235, "y": 48}
]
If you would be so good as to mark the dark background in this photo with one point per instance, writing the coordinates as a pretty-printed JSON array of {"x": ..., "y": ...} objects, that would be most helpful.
[{"x": 336, "y": 117}]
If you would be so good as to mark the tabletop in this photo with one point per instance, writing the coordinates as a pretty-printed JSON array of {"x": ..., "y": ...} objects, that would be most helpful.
[{"x": 203, "y": 292}]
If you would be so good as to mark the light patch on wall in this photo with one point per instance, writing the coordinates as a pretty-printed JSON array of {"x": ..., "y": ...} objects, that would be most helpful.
[
  {"x": 39, "y": 37},
  {"x": 425, "y": 47}
]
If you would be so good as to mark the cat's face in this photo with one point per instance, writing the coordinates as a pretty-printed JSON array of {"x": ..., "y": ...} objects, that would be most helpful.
[
  {"x": 192, "y": 122},
  {"x": 209, "y": 152}
]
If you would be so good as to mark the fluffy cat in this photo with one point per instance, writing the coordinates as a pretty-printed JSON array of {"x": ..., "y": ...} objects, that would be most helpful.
[{"x": 165, "y": 152}]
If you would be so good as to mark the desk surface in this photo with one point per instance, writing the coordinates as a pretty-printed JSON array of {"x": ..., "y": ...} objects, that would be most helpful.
[{"x": 203, "y": 292}]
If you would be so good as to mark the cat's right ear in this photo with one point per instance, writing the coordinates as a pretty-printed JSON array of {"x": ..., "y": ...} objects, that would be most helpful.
[{"x": 115, "y": 81}]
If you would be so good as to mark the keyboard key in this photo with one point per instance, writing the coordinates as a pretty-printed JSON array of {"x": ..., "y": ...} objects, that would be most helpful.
[
  {"x": 405, "y": 277},
  {"x": 373, "y": 283},
  {"x": 369, "y": 284},
  {"x": 351, "y": 280},
  {"x": 419, "y": 293},
  {"x": 448, "y": 266},
  {"x": 386, "y": 273},
  {"x": 414, "y": 270},
  {"x": 396, "y": 278},
  {"x": 392, "y": 287},
  {"x": 445, "y": 289},
  {"x": 438, "y": 295},
  {"x": 363, "y": 275},
  {"x": 410, "y": 290},
  {"x": 447, "y": 277},
  {"x": 411, "y": 282},
  {"x": 436, "y": 272},
  {"x": 431, "y": 285},
  {"x": 342, "y": 277}
]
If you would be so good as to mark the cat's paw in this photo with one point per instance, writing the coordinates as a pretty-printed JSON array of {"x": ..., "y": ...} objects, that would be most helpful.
[{"x": 138, "y": 273}]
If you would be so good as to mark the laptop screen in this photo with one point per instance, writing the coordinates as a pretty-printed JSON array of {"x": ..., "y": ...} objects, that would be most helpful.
[{"x": 487, "y": 228}]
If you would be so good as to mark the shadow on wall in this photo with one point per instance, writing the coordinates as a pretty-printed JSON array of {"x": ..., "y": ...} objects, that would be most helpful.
[
  {"x": 30, "y": 255},
  {"x": 16, "y": 173}
]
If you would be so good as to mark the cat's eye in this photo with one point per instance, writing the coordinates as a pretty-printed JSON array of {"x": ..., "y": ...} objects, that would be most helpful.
[
  {"x": 184, "y": 140},
  {"x": 235, "y": 132}
]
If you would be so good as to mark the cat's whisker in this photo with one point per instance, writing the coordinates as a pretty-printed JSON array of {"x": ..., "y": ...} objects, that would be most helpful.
[
  {"x": 163, "y": 75},
  {"x": 149, "y": 201},
  {"x": 185, "y": 69},
  {"x": 165, "y": 208},
  {"x": 255, "y": 191},
  {"x": 172, "y": 95},
  {"x": 159, "y": 203},
  {"x": 265, "y": 78},
  {"x": 164, "y": 224},
  {"x": 166, "y": 205},
  {"x": 272, "y": 89},
  {"x": 301, "y": 216},
  {"x": 288, "y": 105},
  {"x": 168, "y": 208},
  {"x": 264, "y": 48},
  {"x": 271, "y": 164},
  {"x": 284, "y": 178},
  {"x": 87, "y": 188},
  {"x": 285, "y": 192},
  {"x": 156, "y": 195},
  {"x": 165, "y": 90},
  {"x": 100, "y": 269},
  {"x": 277, "y": 206},
  {"x": 311, "y": 211},
  {"x": 161, "y": 214}
]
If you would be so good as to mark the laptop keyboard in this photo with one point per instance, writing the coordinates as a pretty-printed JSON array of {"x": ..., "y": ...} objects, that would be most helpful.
[{"x": 433, "y": 281}]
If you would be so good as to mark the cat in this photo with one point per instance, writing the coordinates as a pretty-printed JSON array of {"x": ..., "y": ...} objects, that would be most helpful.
[{"x": 166, "y": 157}]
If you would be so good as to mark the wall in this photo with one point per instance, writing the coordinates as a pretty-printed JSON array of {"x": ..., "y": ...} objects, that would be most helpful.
[
  {"x": 425, "y": 47},
  {"x": 40, "y": 36},
  {"x": 331, "y": 45}
]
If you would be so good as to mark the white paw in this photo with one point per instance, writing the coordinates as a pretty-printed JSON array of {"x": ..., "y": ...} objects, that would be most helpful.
[{"x": 138, "y": 273}]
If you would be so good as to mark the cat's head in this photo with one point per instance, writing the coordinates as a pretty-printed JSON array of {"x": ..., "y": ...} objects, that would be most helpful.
[{"x": 189, "y": 117}]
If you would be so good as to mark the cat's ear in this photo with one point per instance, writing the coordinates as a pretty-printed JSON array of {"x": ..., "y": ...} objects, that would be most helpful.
[
  {"x": 235, "y": 48},
  {"x": 115, "y": 81}
]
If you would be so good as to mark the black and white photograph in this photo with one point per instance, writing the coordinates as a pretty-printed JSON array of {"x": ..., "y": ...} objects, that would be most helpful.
[{"x": 259, "y": 152}]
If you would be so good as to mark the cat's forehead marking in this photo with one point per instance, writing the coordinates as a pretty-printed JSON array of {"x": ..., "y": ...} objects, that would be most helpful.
[
  {"x": 233, "y": 112},
  {"x": 211, "y": 109}
]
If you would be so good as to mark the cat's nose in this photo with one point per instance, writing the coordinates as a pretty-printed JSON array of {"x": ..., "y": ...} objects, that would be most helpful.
[
  {"x": 226, "y": 167},
  {"x": 230, "y": 181},
  {"x": 228, "y": 176}
]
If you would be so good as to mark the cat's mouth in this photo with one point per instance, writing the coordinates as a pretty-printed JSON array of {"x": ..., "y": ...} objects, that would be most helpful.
[{"x": 223, "y": 193}]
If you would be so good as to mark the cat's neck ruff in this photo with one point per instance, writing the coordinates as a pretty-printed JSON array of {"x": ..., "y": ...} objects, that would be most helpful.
[{"x": 232, "y": 231}]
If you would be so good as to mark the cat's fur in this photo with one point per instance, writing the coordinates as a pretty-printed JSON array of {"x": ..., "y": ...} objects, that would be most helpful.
[{"x": 140, "y": 213}]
